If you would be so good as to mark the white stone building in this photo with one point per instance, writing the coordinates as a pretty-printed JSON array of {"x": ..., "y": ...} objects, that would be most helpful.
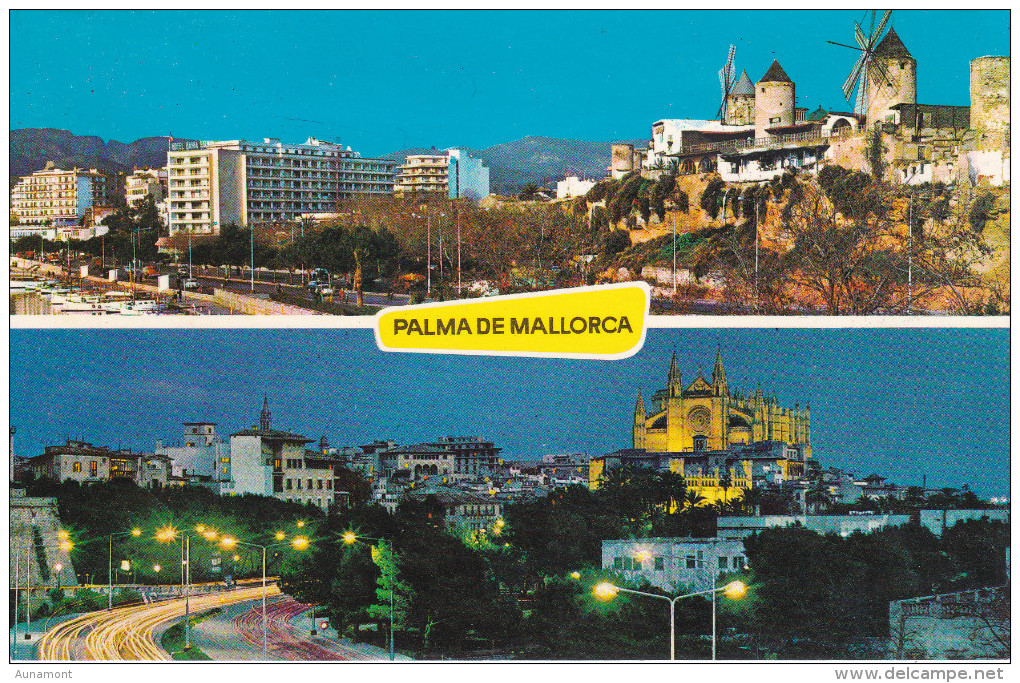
[
  {"x": 572, "y": 186},
  {"x": 674, "y": 564}
]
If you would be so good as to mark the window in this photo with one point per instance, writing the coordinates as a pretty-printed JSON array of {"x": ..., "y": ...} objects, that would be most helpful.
[
  {"x": 320, "y": 484},
  {"x": 637, "y": 565},
  {"x": 723, "y": 562},
  {"x": 310, "y": 485},
  {"x": 660, "y": 564},
  {"x": 298, "y": 484},
  {"x": 77, "y": 467},
  {"x": 94, "y": 469},
  {"x": 691, "y": 562}
]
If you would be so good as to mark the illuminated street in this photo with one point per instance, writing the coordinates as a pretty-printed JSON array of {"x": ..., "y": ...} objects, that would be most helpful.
[{"x": 128, "y": 634}]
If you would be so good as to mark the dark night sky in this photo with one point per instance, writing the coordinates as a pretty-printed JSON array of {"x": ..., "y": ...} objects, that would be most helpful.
[{"x": 899, "y": 402}]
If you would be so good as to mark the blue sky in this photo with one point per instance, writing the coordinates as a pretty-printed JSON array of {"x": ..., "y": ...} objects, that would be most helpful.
[
  {"x": 902, "y": 403},
  {"x": 384, "y": 81}
]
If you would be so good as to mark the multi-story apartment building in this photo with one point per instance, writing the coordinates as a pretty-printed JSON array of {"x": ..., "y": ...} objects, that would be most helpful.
[
  {"x": 145, "y": 182},
  {"x": 82, "y": 462},
  {"x": 452, "y": 172},
  {"x": 213, "y": 184},
  {"x": 58, "y": 197}
]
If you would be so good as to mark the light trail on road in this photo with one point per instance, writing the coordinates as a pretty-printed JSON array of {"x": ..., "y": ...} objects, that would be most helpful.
[
  {"x": 127, "y": 633},
  {"x": 287, "y": 641}
]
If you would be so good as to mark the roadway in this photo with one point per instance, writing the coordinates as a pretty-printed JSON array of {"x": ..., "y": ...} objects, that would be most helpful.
[
  {"x": 130, "y": 633},
  {"x": 288, "y": 636}
]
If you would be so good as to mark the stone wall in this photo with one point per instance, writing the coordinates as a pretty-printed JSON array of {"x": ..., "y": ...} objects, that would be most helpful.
[{"x": 35, "y": 545}]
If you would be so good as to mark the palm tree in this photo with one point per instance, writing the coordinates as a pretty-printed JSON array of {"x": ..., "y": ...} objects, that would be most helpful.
[
  {"x": 693, "y": 499},
  {"x": 528, "y": 191}
]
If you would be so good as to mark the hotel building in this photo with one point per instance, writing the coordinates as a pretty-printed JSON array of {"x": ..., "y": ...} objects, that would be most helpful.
[
  {"x": 451, "y": 172},
  {"x": 58, "y": 197},
  {"x": 213, "y": 184}
]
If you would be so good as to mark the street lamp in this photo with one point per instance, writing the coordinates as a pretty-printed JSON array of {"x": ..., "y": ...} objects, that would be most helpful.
[
  {"x": 136, "y": 532},
  {"x": 735, "y": 590},
  {"x": 350, "y": 538},
  {"x": 57, "y": 568},
  {"x": 169, "y": 534},
  {"x": 298, "y": 543}
]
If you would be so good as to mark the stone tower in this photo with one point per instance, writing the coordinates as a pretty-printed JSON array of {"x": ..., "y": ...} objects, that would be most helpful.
[
  {"x": 774, "y": 100},
  {"x": 622, "y": 160},
  {"x": 897, "y": 85},
  {"x": 740, "y": 103},
  {"x": 989, "y": 102}
]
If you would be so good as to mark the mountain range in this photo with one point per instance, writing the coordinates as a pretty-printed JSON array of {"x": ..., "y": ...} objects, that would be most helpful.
[{"x": 512, "y": 165}]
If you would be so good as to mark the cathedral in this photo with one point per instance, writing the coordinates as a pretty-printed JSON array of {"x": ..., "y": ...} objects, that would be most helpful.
[
  {"x": 705, "y": 415},
  {"x": 722, "y": 442}
]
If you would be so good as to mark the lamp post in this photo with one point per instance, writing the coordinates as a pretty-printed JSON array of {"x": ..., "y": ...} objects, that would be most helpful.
[
  {"x": 166, "y": 535},
  {"x": 350, "y": 538},
  {"x": 136, "y": 532},
  {"x": 251, "y": 237},
  {"x": 735, "y": 590},
  {"x": 674, "y": 254},
  {"x": 298, "y": 543}
]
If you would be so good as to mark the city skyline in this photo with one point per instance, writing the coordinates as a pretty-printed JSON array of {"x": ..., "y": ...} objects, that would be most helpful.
[
  {"x": 903, "y": 403},
  {"x": 441, "y": 79}
]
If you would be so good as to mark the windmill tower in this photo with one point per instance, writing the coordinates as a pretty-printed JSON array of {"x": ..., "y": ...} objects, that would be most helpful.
[
  {"x": 775, "y": 100},
  {"x": 726, "y": 81},
  {"x": 892, "y": 79},
  {"x": 740, "y": 102},
  {"x": 884, "y": 74}
]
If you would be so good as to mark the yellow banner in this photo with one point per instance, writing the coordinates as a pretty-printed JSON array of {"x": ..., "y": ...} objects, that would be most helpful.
[{"x": 586, "y": 322}]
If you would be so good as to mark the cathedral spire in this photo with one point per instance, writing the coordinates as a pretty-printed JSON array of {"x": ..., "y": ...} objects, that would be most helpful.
[
  {"x": 673, "y": 383},
  {"x": 639, "y": 407},
  {"x": 719, "y": 373},
  {"x": 265, "y": 416}
]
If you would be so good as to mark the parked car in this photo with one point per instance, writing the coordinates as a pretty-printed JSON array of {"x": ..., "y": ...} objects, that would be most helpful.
[{"x": 191, "y": 283}]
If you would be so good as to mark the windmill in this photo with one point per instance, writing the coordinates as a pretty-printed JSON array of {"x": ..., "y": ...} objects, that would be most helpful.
[
  {"x": 866, "y": 63},
  {"x": 726, "y": 81}
]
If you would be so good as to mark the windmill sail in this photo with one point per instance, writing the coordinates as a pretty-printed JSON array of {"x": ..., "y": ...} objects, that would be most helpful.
[
  {"x": 866, "y": 63},
  {"x": 726, "y": 81}
]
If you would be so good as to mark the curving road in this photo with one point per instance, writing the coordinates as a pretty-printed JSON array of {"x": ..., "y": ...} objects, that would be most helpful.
[
  {"x": 285, "y": 641},
  {"x": 128, "y": 633}
]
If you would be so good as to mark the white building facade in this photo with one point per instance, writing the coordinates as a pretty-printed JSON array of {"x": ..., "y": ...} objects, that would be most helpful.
[
  {"x": 452, "y": 172},
  {"x": 199, "y": 453},
  {"x": 674, "y": 564},
  {"x": 58, "y": 197},
  {"x": 572, "y": 186},
  {"x": 145, "y": 182},
  {"x": 212, "y": 184}
]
